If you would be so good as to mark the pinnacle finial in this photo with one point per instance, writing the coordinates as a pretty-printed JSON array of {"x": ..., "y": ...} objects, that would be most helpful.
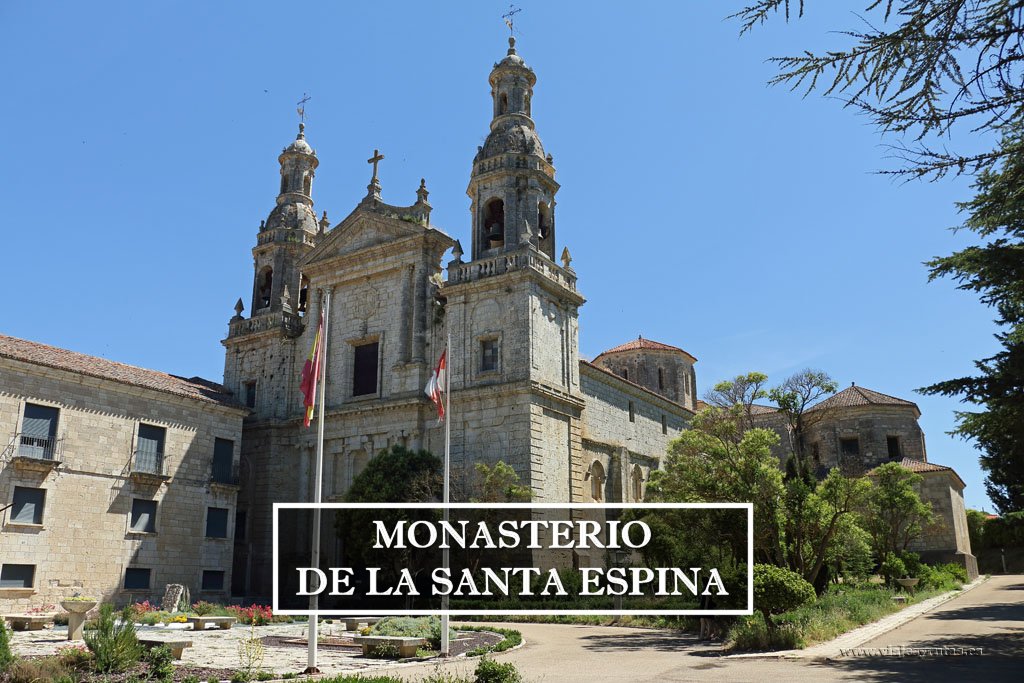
[
  {"x": 457, "y": 252},
  {"x": 302, "y": 131},
  {"x": 511, "y": 45},
  {"x": 566, "y": 257},
  {"x": 422, "y": 193},
  {"x": 239, "y": 307}
]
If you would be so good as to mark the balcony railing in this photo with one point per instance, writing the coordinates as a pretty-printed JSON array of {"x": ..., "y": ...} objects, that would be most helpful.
[
  {"x": 36, "y": 447},
  {"x": 224, "y": 473},
  {"x": 148, "y": 462}
]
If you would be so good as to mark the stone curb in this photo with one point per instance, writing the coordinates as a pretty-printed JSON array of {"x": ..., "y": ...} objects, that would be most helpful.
[{"x": 862, "y": 634}]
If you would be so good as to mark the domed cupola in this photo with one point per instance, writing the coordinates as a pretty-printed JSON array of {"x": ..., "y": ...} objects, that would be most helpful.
[
  {"x": 294, "y": 210},
  {"x": 513, "y": 182}
]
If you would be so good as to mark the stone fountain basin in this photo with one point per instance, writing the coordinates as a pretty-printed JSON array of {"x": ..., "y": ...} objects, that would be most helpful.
[{"x": 78, "y": 606}]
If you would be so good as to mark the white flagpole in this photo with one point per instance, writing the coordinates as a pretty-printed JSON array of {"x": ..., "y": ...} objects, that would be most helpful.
[
  {"x": 311, "y": 667},
  {"x": 445, "y": 645}
]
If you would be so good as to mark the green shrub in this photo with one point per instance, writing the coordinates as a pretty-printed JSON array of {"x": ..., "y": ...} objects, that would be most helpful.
[
  {"x": 37, "y": 670},
  {"x": 412, "y": 627},
  {"x": 113, "y": 644},
  {"x": 510, "y": 638},
  {"x": 955, "y": 571},
  {"x": 202, "y": 608},
  {"x": 75, "y": 657},
  {"x": 777, "y": 590},
  {"x": 490, "y": 671},
  {"x": 190, "y": 679},
  {"x": 751, "y": 633},
  {"x": 161, "y": 663},
  {"x": 6, "y": 656},
  {"x": 892, "y": 568},
  {"x": 911, "y": 563}
]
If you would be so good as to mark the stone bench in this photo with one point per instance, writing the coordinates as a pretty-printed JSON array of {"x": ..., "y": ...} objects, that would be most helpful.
[
  {"x": 375, "y": 646},
  {"x": 200, "y": 623},
  {"x": 354, "y": 623},
  {"x": 177, "y": 646},
  {"x": 29, "y": 622}
]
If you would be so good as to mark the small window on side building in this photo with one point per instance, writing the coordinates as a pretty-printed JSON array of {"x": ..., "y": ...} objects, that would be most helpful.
[
  {"x": 17, "y": 575},
  {"x": 213, "y": 580},
  {"x": 489, "y": 355},
  {"x": 216, "y": 522},
  {"x": 223, "y": 461},
  {"x": 364, "y": 372},
  {"x": 664, "y": 424},
  {"x": 632, "y": 412},
  {"x": 143, "y": 519},
  {"x": 893, "y": 443},
  {"x": 249, "y": 394}
]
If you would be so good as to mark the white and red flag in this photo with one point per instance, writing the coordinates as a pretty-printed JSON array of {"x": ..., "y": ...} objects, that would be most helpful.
[{"x": 438, "y": 384}]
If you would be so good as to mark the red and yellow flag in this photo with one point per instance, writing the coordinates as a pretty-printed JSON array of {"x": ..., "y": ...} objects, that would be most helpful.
[{"x": 311, "y": 373}]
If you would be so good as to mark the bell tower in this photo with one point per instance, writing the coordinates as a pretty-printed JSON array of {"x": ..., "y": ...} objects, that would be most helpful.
[
  {"x": 511, "y": 310},
  {"x": 512, "y": 187},
  {"x": 287, "y": 234}
]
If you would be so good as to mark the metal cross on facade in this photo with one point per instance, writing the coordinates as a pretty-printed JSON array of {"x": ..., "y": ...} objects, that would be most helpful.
[
  {"x": 510, "y": 16},
  {"x": 302, "y": 107},
  {"x": 377, "y": 156}
]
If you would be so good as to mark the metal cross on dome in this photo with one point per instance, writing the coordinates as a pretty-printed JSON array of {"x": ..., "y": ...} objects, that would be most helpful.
[
  {"x": 302, "y": 107},
  {"x": 509, "y": 17}
]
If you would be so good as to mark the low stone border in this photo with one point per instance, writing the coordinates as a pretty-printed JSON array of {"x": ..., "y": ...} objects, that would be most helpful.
[{"x": 862, "y": 634}]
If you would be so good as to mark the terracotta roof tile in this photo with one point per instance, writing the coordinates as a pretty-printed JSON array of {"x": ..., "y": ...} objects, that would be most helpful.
[
  {"x": 921, "y": 466},
  {"x": 61, "y": 359},
  {"x": 859, "y": 396},
  {"x": 641, "y": 344}
]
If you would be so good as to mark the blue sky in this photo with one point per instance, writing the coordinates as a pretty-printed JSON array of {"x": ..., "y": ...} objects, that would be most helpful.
[{"x": 702, "y": 207}]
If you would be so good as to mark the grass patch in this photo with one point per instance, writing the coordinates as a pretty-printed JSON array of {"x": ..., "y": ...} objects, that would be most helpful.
[
  {"x": 510, "y": 638},
  {"x": 838, "y": 610}
]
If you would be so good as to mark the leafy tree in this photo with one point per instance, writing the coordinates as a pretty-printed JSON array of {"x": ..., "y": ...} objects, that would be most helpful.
[
  {"x": 778, "y": 590},
  {"x": 849, "y": 554},
  {"x": 717, "y": 460},
  {"x": 499, "y": 484},
  {"x": 814, "y": 517},
  {"x": 995, "y": 270},
  {"x": 794, "y": 396},
  {"x": 894, "y": 512},
  {"x": 976, "y": 529},
  {"x": 6, "y": 656},
  {"x": 398, "y": 475},
  {"x": 741, "y": 391}
]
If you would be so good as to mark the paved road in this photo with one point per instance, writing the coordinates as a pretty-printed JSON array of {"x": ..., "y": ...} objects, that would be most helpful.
[{"x": 990, "y": 616}]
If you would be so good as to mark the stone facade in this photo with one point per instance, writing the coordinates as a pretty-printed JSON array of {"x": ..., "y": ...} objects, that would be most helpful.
[
  {"x": 75, "y": 500},
  {"x": 520, "y": 392},
  {"x": 859, "y": 429}
]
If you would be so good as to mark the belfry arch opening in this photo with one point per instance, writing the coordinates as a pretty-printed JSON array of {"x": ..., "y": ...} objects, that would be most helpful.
[
  {"x": 307, "y": 184},
  {"x": 502, "y": 104},
  {"x": 494, "y": 224},
  {"x": 303, "y": 295},
  {"x": 284, "y": 183},
  {"x": 264, "y": 287}
]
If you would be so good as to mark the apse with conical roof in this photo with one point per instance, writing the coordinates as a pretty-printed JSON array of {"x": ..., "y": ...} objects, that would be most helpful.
[{"x": 512, "y": 186}]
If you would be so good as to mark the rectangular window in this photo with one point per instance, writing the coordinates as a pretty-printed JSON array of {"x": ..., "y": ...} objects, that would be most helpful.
[
  {"x": 38, "y": 432},
  {"x": 664, "y": 425},
  {"x": 143, "y": 519},
  {"x": 216, "y": 522},
  {"x": 149, "y": 455},
  {"x": 489, "y": 355},
  {"x": 213, "y": 580},
  {"x": 240, "y": 520},
  {"x": 17, "y": 575},
  {"x": 625, "y": 373},
  {"x": 249, "y": 394},
  {"x": 223, "y": 461},
  {"x": 893, "y": 442},
  {"x": 632, "y": 412},
  {"x": 364, "y": 374},
  {"x": 661, "y": 379},
  {"x": 816, "y": 452},
  {"x": 136, "y": 579},
  {"x": 850, "y": 447},
  {"x": 28, "y": 505}
]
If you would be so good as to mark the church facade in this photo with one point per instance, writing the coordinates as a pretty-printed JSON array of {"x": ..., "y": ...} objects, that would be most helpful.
[{"x": 574, "y": 431}]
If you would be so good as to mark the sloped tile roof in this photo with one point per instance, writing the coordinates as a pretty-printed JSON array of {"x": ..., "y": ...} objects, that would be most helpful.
[
  {"x": 641, "y": 344},
  {"x": 859, "y": 396},
  {"x": 61, "y": 359},
  {"x": 920, "y": 466}
]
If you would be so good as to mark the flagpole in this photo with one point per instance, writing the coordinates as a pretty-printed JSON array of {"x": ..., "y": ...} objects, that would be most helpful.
[
  {"x": 445, "y": 646},
  {"x": 311, "y": 636}
]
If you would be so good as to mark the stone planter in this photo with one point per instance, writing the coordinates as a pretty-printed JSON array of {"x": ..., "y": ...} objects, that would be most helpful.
[
  {"x": 77, "y": 609},
  {"x": 908, "y": 584}
]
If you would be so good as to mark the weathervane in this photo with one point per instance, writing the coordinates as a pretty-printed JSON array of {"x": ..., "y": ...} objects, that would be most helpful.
[
  {"x": 302, "y": 107},
  {"x": 510, "y": 16}
]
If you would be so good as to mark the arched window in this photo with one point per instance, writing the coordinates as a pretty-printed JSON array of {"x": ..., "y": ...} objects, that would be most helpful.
[
  {"x": 303, "y": 294},
  {"x": 661, "y": 379},
  {"x": 264, "y": 286},
  {"x": 284, "y": 183},
  {"x": 503, "y": 104},
  {"x": 526, "y": 101},
  {"x": 307, "y": 184},
  {"x": 597, "y": 479},
  {"x": 494, "y": 223},
  {"x": 543, "y": 220},
  {"x": 638, "y": 483}
]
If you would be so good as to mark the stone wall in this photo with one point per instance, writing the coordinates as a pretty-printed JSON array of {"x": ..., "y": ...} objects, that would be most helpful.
[
  {"x": 871, "y": 426},
  {"x": 947, "y": 539},
  {"x": 84, "y": 544}
]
